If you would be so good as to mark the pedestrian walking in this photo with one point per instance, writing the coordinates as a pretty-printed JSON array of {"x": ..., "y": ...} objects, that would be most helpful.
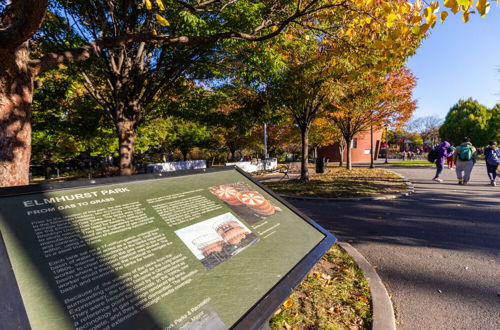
[
  {"x": 449, "y": 159},
  {"x": 442, "y": 152},
  {"x": 492, "y": 157},
  {"x": 465, "y": 157}
]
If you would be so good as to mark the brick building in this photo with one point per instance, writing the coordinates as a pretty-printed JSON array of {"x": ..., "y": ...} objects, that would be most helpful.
[{"x": 360, "y": 151}]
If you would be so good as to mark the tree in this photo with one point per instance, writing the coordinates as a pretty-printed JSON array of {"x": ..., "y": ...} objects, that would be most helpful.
[
  {"x": 494, "y": 124},
  {"x": 467, "y": 118},
  {"x": 302, "y": 92},
  {"x": 427, "y": 128},
  {"x": 187, "y": 135},
  {"x": 323, "y": 133},
  {"x": 194, "y": 25},
  {"x": 358, "y": 47},
  {"x": 67, "y": 122},
  {"x": 372, "y": 101}
]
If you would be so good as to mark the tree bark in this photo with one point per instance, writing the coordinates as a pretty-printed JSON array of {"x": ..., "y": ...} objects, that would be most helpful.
[
  {"x": 16, "y": 94},
  {"x": 185, "y": 154},
  {"x": 126, "y": 135},
  {"x": 348, "y": 155},
  {"x": 341, "y": 154},
  {"x": 304, "y": 169}
]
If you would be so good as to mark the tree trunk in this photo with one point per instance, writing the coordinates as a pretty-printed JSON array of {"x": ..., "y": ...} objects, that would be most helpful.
[
  {"x": 16, "y": 95},
  {"x": 341, "y": 154},
  {"x": 348, "y": 158},
  {"x": 233, "y": 154},
  {"x": 46, "y": 166},
  {"x": 126, "y": 136},
  {"x": 185, "y": 154},
  {"x": 304, "y": 170}
]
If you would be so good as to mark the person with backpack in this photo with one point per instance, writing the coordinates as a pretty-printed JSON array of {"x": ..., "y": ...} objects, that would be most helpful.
[
  {"x": 441, "y": 152},
  {"x": 492, "y": 157},
  {"x": 465, "y": 158},
  {"x": 449, "y": 159}
]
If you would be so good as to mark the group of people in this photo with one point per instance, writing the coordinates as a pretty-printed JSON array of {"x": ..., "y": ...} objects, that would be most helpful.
[{"x": 463, "y": 158}]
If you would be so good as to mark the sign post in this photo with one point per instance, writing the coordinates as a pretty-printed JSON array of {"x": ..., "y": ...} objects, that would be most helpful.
[{"x": 208, "y": 249}]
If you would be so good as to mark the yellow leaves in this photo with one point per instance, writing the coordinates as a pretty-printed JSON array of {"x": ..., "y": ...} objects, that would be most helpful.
[
  {"x": 420, "y": 29},
  {"x": 160, "y": 4},
  {"x": 391, "y": 19},
  {"x": 418, "y": 5},
  {"x": 444, "y": 15},
  {"x": 434, "y": 5},
  {"x": 432, "y": 21},
  {"x": 430, "y": 17},
  {"x": 465, "y": 17},
  {"x": 386, "y": 7},
  {"x": 452, "y": 4},
  {"x": 149, "y": 5},
  {"x": 483, "y": 7},
  {"x": 369, "y": 3},
  {"x": 162, "y": 21},
  {"x": 288, "y": 303},
  {"x": 416, "y": 19},
  {"x": 424, "y": 28},
  {"x": 405, "y": 8}
]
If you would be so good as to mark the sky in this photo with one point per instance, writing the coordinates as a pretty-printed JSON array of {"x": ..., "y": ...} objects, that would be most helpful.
[{"x": 457, "y": 61}]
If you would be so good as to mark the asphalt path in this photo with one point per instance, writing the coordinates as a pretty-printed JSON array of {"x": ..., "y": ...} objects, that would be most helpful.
[{"x": 437, "y": 251}]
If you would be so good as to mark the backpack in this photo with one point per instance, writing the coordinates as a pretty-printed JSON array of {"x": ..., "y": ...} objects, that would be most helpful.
[
  {"x": 465, "y": 152},
  {"x": 433, "y": 154},
  {"x": 492, "y": 158}
]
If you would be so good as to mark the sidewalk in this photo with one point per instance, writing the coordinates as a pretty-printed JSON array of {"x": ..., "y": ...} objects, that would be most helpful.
[{"x": 437, "y": 251}]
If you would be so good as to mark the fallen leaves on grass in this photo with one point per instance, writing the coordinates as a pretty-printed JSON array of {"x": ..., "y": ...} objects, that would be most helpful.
[
  {"x": 334, "y": 295},
  {"x": 339, "y": 182}
]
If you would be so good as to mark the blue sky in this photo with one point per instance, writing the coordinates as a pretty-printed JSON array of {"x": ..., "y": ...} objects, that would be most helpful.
[{"x": 458, "y": 60}]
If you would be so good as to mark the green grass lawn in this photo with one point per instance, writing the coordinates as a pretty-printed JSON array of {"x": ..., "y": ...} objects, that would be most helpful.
[
  {"x": 410, "y": 163},
  {"x": 340, "y": 182},
  {"x": 334, "y": 295}
]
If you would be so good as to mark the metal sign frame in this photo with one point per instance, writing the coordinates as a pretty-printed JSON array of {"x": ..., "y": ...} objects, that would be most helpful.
[{"x": 12, "y": 311}]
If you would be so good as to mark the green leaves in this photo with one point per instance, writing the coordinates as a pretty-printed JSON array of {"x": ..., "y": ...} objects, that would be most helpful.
[{"x": 468, "y": 118}]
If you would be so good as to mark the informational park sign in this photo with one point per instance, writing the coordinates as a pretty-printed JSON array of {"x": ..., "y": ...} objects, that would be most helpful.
[{"x": 205, "y": 250}]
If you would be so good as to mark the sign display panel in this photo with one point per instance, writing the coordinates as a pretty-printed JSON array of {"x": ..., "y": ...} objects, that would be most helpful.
[{"x": 196, "y": 251}]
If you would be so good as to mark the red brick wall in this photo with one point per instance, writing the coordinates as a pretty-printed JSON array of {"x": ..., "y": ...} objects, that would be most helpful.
[{"x": 361, "y": 152}]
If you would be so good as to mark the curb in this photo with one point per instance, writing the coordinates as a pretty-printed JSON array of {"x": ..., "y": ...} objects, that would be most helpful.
[
  {"x": 410, "y": 189},
  {"x": 383, "y": 312}
]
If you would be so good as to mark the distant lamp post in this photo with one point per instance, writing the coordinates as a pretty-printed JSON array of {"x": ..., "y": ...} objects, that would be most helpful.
[
  {"x": 371, "y": 147},
  {"x": 387, "y": 143}
]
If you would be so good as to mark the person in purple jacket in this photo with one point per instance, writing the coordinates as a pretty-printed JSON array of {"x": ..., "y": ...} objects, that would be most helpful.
[{"x": 443, "y": 152}]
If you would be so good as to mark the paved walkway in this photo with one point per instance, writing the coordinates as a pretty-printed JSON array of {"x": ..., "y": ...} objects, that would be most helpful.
[{"x": 438, "y": 251}]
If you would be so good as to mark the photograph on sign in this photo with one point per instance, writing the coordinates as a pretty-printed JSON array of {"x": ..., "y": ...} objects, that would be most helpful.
[
  {"x": 191, "y": 251},
  {"x": 215, "y": 240}
]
